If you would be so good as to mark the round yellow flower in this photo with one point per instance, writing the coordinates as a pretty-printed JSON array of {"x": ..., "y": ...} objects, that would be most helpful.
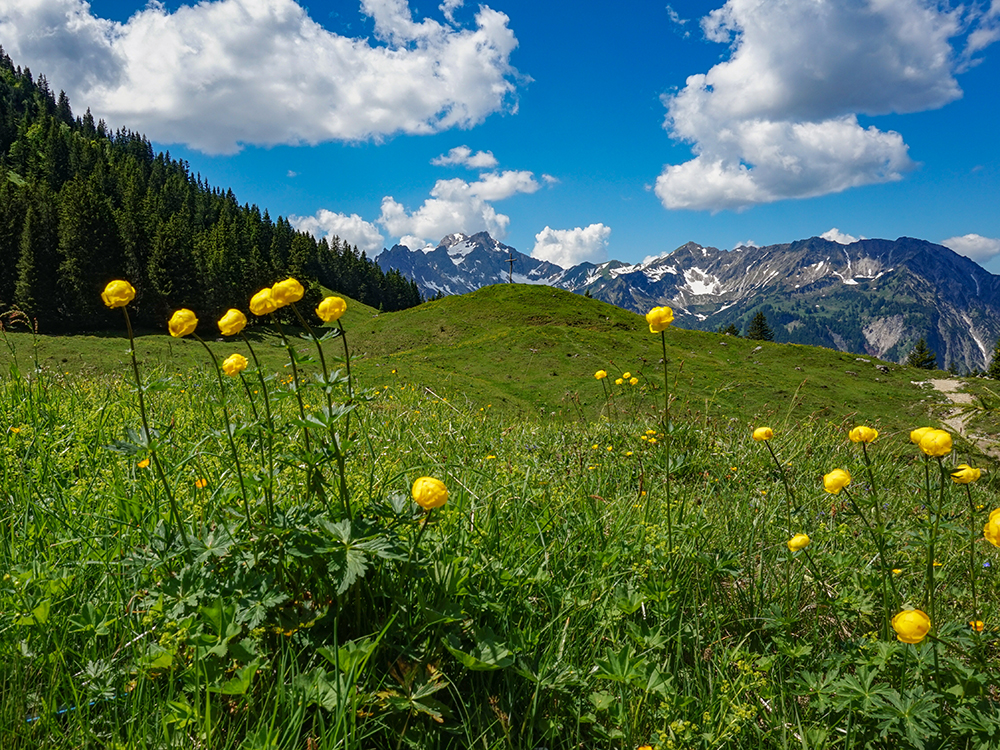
[
  {"x": 633, "y": 381},
  {"x": 936, "y": 443},
  {"x": 911, "y": 625},
  {"x": 232, "y": 322},
  {"x": 918, "y": 434},
  {"x": 977, "y": 625},
  {"x": 234, "y": 364},
  {"x": 836, "y": 480},
  {"x": 429, "y": 493},
  {"x": 659, "y": 319},
  {"x": 182, "y": 323},
  {"x": 618, "y": 381},
  {"x": 626, "y": 375},
  {"x": 797, "y": 542},
  {"x": 286, "y": 292},
  {"x": 201, "y": 483},
  {"x": 600, "y": 374},
  {"x": 992, "y": 529},
  {"x": 117, "y": 293},
  {"x": 965, "y": 474},
  {"x": 144, "y": 463},
  {"x": 331, "y": 308},
  {"x": 863, "y": 434},
  {"x": 763, "y": 433},
  {"x": 262, "y": 302}
]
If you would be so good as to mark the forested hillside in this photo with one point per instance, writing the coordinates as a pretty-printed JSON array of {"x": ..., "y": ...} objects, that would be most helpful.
[{"x": 80, "y": 205}]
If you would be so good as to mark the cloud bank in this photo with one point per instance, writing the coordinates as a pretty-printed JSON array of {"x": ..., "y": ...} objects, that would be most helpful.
[
  {"x": 779, "y": 118},
  {"x": 974, "y": 247},
  {"x": 349, "y": 228},
  {"x": 567, "y": 247},
  {"x": 218, "y": 75}
]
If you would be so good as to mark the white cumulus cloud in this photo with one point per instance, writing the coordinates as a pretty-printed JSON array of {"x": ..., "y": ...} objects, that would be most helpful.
[
  {"x": 463, "y": 156},
  {"x": 974, "y": 246},
  {"x": 835, "y": 235},
  {"x": 456, "y": 206},
  {"x": 567, "y": 247},
  {"x": 778, "y": 118},
  {"x": 349, "y": 228},
  {"x": 219, "y": 74}
]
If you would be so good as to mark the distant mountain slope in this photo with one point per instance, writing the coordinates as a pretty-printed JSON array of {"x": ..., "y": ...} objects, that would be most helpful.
[{"x": 875, "y": 297}]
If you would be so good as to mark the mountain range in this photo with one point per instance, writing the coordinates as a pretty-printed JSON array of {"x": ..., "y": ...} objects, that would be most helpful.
[{"x": 871, "y": 297}]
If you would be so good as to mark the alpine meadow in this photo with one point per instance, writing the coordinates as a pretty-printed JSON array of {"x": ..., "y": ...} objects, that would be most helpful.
[{"x": 256, "y": 493}]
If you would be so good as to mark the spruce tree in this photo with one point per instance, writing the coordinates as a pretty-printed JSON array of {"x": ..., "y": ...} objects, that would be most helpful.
[
  {"x": 729, "y": 330},
  {"x": 921, "y": 356},
  {"x": 759, "y": 330},
  {"x": 993, "y": 371}
]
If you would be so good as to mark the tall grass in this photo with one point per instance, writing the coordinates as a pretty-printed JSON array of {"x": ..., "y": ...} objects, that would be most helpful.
[{"x": 542, "y": 606}]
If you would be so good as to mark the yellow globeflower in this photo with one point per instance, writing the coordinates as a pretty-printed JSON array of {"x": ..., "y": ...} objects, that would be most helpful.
[
  {"x": 232, "y": 322},
  {"x": 836, "y": 480},
  {"x": 262, "y": 302},
  {"x": 118, "y": 293},
  {"x": 918, "y": 434},
  {"x": 797, "y": 542},
  {"x": 633, "y": 381},
  {"x": 286, "y": 292},
  {"x": 911, "y": 625},
  {"x": 763, "y": 433},
  {"x": 331, "y": 308},
  {"x": 863, "y": 434},
  {"x": 626, "y": 375},
  {"x": 936, "y": 443},
  {"x": 429, "y": 493},
  {"x": 182, "y": 323},
  {"x": 234, "y": 364},
  {"x": 618, "y": 381},
  {"x": 965, "y": 474},
  {"x": 659, "y": 319},
  {"x": 992, "y": 529},
  {"x": 600, "y": 374}
]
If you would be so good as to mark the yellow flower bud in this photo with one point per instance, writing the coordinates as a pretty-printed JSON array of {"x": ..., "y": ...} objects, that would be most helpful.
[
  {"x": 863, "y": 434},
  {"x": 763, "y": 433},
  {"x": 286, "y": 292},
  {"x": 836, "y": 480},
  {"x": 965, "y": 474},
  {"x": 331, "y": 308},
  {"x": 232, "y": 322},
  {"x": 182, "y": 323},
  {"x": 797, "y": 542},
  {"x": 262, "y": 302},
  {"x": 659, "y": 319},
  {"x": 429, "y": 493},
  {"x": 911, "y": 625},
  {"x": 936, "y": 443},
  {"x": 234, "y": 364},
  {"x": 600, "y": 374},
  {"x": 117, "y": 293},
  {"x": 917, "y": 435}
]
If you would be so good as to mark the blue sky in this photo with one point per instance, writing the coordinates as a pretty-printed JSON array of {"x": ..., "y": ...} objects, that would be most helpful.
[{"x": 571, "y": 131}]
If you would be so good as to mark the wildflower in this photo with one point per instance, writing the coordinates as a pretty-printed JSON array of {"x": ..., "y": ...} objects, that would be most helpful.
[
  {"x": 897, "y": 571},
  {"x": 937, "y": 564},
  {"x": 762, "y": 433},
  {"x": 863, "y": 434},
  {"x": 965, "y": 474},
  {"x": 798, "y": 542},
  {"x": 659, "y": 319},
  {"x": 976, "y": 625},
  {"x": 232, "y": 322},
  {"x": 117, "y": 293},
  {"x": 992, "y": 529},
  {"x": 600, "y": 374},
  {"x": 429, "y": 493},
  {"x": 286, "y": 292},
  {"x": 262, "y": 302},
  {"x": 619, "y": 381},
  {"x": 201, "y": 483},
  {"x": 234, "y": 364},
  {"x": 917, "y": 435},
  {"x": 331, "y": 308},
  {"x": 143, "y": 464},
  {"x": 15, "y": 430},
  {"x": 835, "y": 481},
  {"x": 633, "y": 381},
  {"x": 936, "y": 443},
  {"x": 911, "y": 625},
  {"x": 626, "y": 375},
  {"x": 182, "y": 323}
]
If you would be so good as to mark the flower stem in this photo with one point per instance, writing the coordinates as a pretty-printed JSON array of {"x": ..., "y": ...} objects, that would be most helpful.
[{"x": 269, "y": 489}]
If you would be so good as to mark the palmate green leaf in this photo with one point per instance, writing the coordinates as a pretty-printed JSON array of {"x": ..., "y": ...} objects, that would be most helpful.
[
  {"x": 240, "y": 682},
  {"x": 351, "y": 656},
  {"x": 621, "y": 667},
  {"x": 39, "y": 614},
  {"x": 861, "y": 692},
  {"x": 487, "y": 653},
  {"x": 912, "y": 715},
  {"x": 90, "y": 620},
  {"x": 321, "y": 688}
]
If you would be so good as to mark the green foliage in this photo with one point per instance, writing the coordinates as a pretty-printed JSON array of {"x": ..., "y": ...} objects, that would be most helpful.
[
  {"x": 759, "y": 330},
  {"x": 922, "y": 357},
  {"x": 729, "y": 330},
  {"x": 993, "y": 371}
]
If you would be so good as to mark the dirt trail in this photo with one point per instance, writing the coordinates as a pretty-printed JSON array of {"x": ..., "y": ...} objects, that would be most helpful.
[{"x": 956, "y": 419}]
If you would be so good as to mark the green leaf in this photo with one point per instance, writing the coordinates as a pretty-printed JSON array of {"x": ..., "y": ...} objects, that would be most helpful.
[
  {"x": 239, "y": 683},
  {"x": 39, "y": 615}
]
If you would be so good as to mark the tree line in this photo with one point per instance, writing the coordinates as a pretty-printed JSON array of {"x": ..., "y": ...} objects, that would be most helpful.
[{"x": 81, "y": 205}]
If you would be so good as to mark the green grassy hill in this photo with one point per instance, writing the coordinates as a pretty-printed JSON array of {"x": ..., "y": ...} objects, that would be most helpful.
[{"x": 534, "y": 350}]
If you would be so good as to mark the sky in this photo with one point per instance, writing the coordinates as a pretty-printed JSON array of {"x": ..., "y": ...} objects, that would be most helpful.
[{"x": 571, "y": 131}]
